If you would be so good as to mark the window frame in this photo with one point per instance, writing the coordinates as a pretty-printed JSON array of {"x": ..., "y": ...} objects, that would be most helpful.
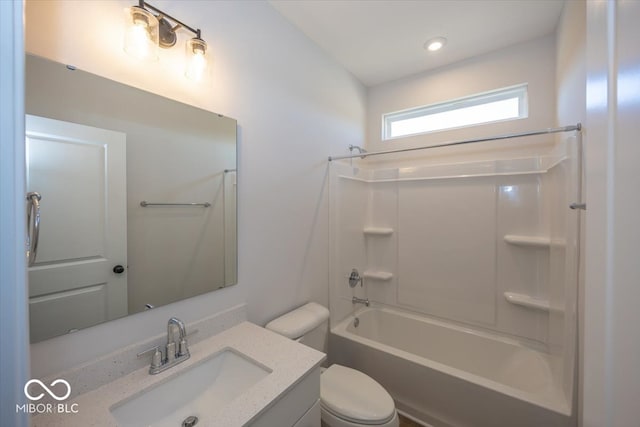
[{"x": 519, "y": 91}]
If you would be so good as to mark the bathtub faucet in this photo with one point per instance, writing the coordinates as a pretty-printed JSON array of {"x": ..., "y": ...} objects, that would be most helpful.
[{"x": 356, "y": 300}]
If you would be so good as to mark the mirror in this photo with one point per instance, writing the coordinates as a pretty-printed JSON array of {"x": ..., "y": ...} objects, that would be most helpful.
[{"x": 138, "y": 203}]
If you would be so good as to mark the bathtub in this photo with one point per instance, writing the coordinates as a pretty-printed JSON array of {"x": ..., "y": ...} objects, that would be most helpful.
[{"x": 451, "y": 376}]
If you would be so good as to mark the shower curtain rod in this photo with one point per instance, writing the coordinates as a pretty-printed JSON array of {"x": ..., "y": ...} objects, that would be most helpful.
[{"x": 362, "y": 155}]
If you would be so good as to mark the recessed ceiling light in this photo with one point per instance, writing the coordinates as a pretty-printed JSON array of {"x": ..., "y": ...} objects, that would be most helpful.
[{"x": 435, "y": 44}]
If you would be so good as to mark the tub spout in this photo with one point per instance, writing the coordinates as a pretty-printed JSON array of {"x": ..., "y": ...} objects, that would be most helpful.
[{"x": 356, "y": 300}]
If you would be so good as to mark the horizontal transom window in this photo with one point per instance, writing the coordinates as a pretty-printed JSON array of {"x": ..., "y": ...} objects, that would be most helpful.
[{"x": 503, "y": 104}]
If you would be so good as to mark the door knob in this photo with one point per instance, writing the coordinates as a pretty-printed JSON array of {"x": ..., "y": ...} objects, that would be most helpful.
[{"x": 118, "y": 269}]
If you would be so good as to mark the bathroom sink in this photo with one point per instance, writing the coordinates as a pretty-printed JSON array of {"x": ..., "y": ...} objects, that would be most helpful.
[{"x": 198, "y": 391}]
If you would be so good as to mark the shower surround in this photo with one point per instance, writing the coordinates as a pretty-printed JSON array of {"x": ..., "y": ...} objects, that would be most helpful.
[{"x": 466, "y": 265}]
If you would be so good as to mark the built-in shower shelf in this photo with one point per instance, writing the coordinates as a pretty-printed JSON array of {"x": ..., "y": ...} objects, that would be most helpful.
[
  {"x": 378, "y": 231},
  {"x": 533, "y": 241},
  {"x": 527, "y": 301},
  {"x": 377, "y": 275}
]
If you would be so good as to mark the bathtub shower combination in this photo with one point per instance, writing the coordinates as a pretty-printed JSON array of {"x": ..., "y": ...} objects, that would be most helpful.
[{"x": 471, "y": 274}]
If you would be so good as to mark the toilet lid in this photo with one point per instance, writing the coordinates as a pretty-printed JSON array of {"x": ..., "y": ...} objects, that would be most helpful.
[{"x": 354, "y": 396}]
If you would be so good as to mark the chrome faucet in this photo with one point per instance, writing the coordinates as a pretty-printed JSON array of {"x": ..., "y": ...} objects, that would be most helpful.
[
  {"x": 356, "y": 300},
  {"x": 175, "y": 352}
]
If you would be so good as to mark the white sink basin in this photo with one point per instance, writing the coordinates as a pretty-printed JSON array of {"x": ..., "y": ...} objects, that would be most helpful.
[{"x": 199, "y": 391}]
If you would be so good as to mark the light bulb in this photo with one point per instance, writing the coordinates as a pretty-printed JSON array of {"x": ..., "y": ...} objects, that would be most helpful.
[
  {"x": 196, "y": 59},
  {"x": 435, "y": 44},
  {"x": 141, "y": 36},
  {"x": 138, "y": 42}
]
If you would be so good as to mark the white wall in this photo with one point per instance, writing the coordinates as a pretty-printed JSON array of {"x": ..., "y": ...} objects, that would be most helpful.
[
  {"x": 294, "y": 107},
  {"x": 612, "y": 271},
  {"x": 531, "y": 62},
  {"x": 571, "y": 63}
]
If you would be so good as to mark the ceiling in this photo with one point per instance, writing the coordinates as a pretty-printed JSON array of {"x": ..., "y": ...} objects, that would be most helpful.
[{"x": 382, "y": 40}]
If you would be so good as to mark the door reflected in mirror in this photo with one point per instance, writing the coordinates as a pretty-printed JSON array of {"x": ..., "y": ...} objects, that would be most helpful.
[{"x": 138, "y": 201}]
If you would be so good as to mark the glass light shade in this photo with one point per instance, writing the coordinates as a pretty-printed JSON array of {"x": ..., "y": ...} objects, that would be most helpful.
[
  {"x": 141, "y": 34},
  {"x": 196, "y": 59}
]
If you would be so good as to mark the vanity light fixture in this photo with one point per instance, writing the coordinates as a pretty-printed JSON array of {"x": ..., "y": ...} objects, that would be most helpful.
[
  {"x": 147, "y": 27},
  {"x": 435, "y": 44}
]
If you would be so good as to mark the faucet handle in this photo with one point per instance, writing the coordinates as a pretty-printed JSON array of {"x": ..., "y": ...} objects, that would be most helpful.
[
  {"x": 149, "y": 350},
  {"x": 156, "y": 359},
  {"x": 355, "y": 278},
  {"x": 183, "y": 347}
]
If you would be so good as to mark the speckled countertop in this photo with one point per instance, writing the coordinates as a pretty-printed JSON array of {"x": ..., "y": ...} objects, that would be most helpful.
[{"x": 288, "y": 360}]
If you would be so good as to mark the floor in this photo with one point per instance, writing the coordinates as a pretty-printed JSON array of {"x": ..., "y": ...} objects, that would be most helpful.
[{"x": 406, "y": 422}]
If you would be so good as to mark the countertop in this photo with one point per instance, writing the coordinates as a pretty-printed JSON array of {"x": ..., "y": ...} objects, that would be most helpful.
[{"x": 288, "y": 360}]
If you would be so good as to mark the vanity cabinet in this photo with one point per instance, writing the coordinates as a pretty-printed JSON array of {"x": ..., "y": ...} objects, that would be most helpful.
[
  {"x": 298, "y": 407},
  {"x": 311, "y": 418}
]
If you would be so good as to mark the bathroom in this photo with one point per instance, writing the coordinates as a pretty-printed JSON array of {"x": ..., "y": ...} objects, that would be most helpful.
[{"x": 295, "y": 105}]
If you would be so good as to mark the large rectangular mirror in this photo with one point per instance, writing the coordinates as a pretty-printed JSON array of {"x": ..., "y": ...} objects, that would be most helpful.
[{"x": 138, "y": 199}]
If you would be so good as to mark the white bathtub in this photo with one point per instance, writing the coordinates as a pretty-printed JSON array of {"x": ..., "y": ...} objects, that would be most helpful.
[{"x": 448, "y": 375}]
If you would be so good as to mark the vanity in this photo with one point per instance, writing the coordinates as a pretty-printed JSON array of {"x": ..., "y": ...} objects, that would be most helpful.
[{"x": 242, "y": 376}]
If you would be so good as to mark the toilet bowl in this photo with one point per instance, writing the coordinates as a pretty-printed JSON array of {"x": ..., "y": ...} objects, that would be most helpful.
[{"x": 348, "y": 398}]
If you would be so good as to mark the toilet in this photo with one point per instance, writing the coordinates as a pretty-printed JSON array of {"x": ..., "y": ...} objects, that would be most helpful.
[{"x": 348, "y": 398}]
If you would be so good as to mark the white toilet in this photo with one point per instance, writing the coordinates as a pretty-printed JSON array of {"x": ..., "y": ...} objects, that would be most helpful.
[{"x": 348, "y": 397}]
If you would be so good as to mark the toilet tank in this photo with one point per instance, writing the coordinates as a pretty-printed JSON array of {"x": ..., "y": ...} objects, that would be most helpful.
[{"x": 308, "y": 325}]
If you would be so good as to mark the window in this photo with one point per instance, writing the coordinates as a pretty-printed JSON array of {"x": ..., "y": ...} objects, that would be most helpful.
[{"x": 503, "y": 104}]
